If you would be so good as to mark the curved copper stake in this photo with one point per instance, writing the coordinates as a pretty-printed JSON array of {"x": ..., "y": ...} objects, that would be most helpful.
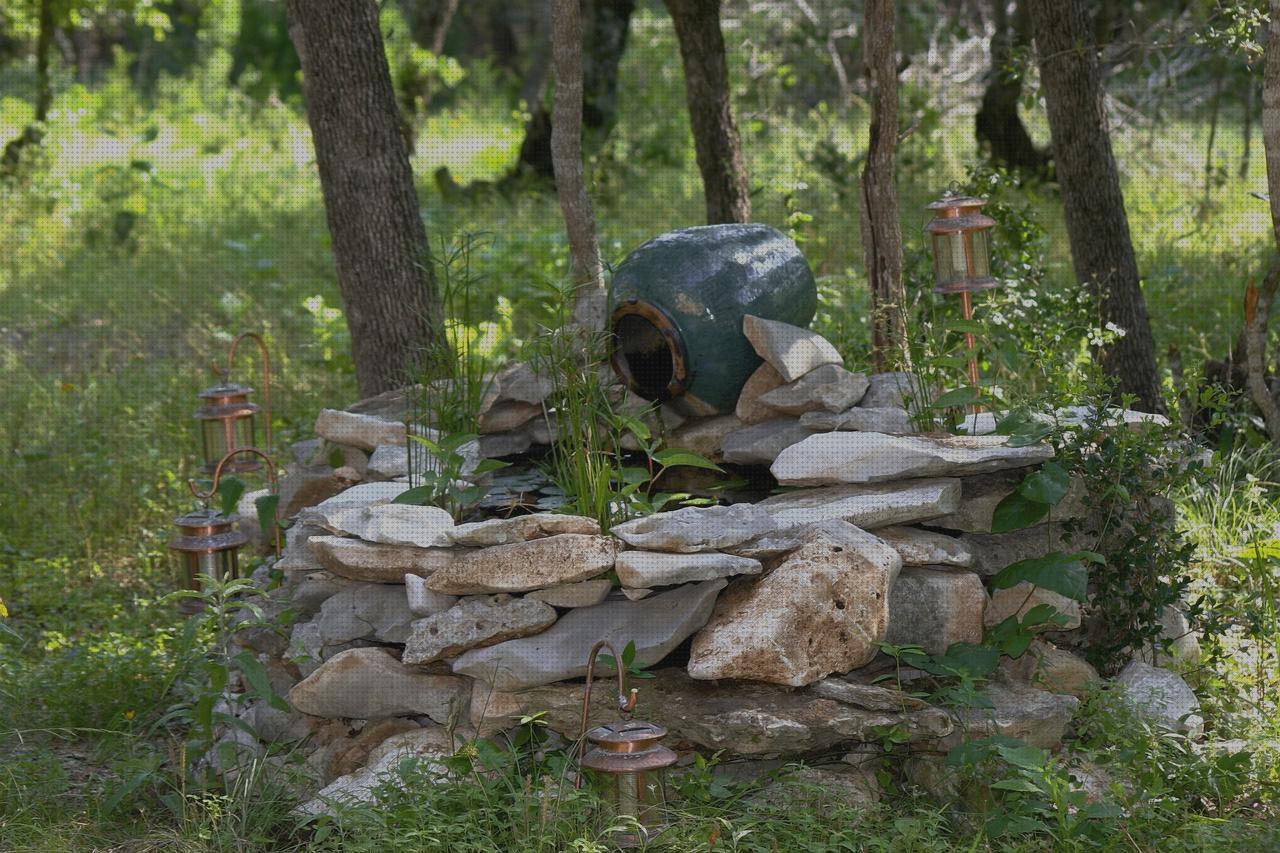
[
  {"x": 266, "y": 377},
  {"x": 217, "y": 479},
  {"x": 626, "y": 704}
]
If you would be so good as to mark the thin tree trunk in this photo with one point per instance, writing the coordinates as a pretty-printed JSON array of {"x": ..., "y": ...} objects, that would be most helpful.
[
  {"x": 881, "y": 231},
  {"x": 1098, "y": 229},
  {"x": 997, "y": 124},
  {"x": 566, "y": 151},
  {"x": 1247, "y": 141},
  {"x": 1258, "y": 305},
  {"x": 379, "y": 243},
  {"x": 44, "y": 45},
  {"x": 606, "y": 25},
  {"x": 715, "y": 135}
]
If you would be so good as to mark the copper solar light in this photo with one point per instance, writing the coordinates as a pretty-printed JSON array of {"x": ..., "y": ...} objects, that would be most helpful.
[
  {"x": 227, "y": 416},
  {"x": 209, "y": 546},
  {"x": 627, "y": 756},
  {"x": 961, "y": 236}
]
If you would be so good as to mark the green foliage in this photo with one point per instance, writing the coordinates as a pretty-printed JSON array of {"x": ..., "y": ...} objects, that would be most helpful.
[{"x": 448, "y": 478}]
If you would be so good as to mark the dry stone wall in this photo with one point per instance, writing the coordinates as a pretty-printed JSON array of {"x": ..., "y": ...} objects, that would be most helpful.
[{"x": 761, "y": 621}]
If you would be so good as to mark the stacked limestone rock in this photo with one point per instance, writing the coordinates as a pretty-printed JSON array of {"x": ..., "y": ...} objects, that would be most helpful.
[{"x": 760, "y": 621}]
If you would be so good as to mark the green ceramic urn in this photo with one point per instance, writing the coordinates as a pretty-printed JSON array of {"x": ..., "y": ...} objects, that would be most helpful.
[{"x": 678, "y": 303}]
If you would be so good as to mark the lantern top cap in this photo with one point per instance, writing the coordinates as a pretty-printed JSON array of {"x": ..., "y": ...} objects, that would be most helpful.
[
  {"x": 954, "y": 213},
  {"x": 205, "y": 531},
  {"x": 951, "y": 199},
  {"x": 224, "y": 390},
  {"x": 626, "y": 732},
  {"x": 205, "y": 517}
]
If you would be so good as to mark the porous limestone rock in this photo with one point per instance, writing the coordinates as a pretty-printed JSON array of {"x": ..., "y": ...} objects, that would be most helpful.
[
  {"x": 860, "y": 419},
  {"x": 388, "y": 462},
  {"x": 313, "y": 590},
  {"x": 369, "y": 683},
  {"x": 1020, "y": 598},
  {"x": 1038, "y": 717},
  {"x": 524, "y": 566},
  {"x": 521, "y": 528},
  {"x": 695, "y": 529},
  {"x": 749, "y": 409},
  {"x": 366, "y": 561},
  {"x": 366, "y": 612},
  {"x": 889, "y": 390},
  {"x": 648, "y": 569},
  {"x": 827, "y": 387},
  {"x": 327, "y": 513},
  {"x": 980, "y": 495},
  {"x": 868, "y": 507},
  {"x": 656, "y": 626},
  {"x": 581, "y": 594},
  {"x": 363, "y": 431},
  {"x": 428, "y": 746},
  {"x": 475, "y": 624},
  {"x": 1161, "y": 697},
  {"x": 1048, "y": 667},
  {"x": 823, "y": 610},
  {"x": 507, "y": 416},
  {"x": 872, "y": 457},
  {"x": 791, "y": 350},
  {"x": 744, "y": 718},
  {"x": 761, "y": 443},
  {"x": 993, "y": 552},
  {"x": 422, "y": 601},
  {"x": 703, "y": 436},
  {"x": 919, "y": 547},
  {"x": 934, "y": 608},
  {"x": 396, "y": 524}
]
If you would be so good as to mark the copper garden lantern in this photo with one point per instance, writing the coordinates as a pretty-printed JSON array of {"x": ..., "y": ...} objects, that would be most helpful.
[
  {"x": 209, "y": 546},
  {"x": 228, "y": 418},
  {"x": 961, "y": 237},
  {"x": 628, "y": 757}
]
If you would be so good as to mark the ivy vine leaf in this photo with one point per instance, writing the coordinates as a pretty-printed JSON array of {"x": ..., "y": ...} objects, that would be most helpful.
[
  {"x": 1048, "y": 486},
  {"x": 1015, "y": 512},
  {"x": 673, "y": 457},
  {"x": 958, "y": 397},
  {"x": 1023, "y": 428},
  {"x": 1057, "y": 572},
  {"x": 1024, "y": 756},
  {"x": 229, "y": 491}
]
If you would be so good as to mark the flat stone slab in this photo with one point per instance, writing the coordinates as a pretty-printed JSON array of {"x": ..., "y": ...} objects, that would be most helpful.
[
  {"x": 823, "y": 610},
  {"x": 649, "y": 569},
  {"x": 474, "y": 624},
  {"x": 422, "y": 601},
  {"x": 749, "y": 408},
  {"x": 521, "y": 528},
  {"x": 525, "y": 566},
  {"x": 919, "y": 547},
  {"x": 696, "y": 528},
  {"x": 389, "y": 461},
  {"x": 761, "y": 443},
  {"x": 827, "y": 387},
  {"x": 330, "y": 513},
  {"x": 366, "y": 612},
  {"x": 744, "y": 718},
  {"x": 1017, "y": 600},
  {"x": 934, "y": 608},
  {"x": 1038, "y": 717},
  {"x": 373, "y": 563},
  {"x": 703, "y": 436},
  {"x": 890, "y": 390},
  {"x": 866, "y": 506},
  {"x": 993, "y": 552},
  {"x": 871, "y": 457},
  {"x": 791, "y": 350},
  {"x": 656, "y": 625},
  {"x": 370, "y": 684},
  {"x": 980, "y": 496},
  {"x": 396, "y": 524},
  {"x": 1048, "y": 667},
  {"x": 860, "y": 419},
  {"x": 363, "y": 431},
  {"x": 581, "y": 594}
]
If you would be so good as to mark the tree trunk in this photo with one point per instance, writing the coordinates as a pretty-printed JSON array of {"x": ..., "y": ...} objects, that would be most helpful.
[
  {"x": 431, "y": 23},
  {"x": 881, "y": 231},
  {"x": 379, "y": 244},
  {"x": 44, "y": 45},
  {"x": 605, "y": 39},
  {"x": 997, "y": 124},
  {"x": 571, "y": 185},
  {"x": 1098, "y": 229},
  {"x": 715, "y": 136},
  {"x": 1257, "y": 314}
]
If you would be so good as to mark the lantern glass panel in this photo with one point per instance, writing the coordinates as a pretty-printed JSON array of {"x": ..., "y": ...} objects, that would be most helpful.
[
  {"x": 221, "y": 435},
  {"x": 637, "y": 795}
]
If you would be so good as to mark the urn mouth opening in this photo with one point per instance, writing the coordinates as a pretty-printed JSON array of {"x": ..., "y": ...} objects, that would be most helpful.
[{"x": 648, "y": 351}]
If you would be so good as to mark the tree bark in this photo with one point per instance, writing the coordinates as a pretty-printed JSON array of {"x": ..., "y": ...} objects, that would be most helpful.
[
  {"x": 607, "y": 25},
  {"x": 566, "y": 149},
  {"x": 1257, "y": 314},
  {"x": 715, "y": 135},
  {"x": 1097, "y": 227},
  {"x": 44, "y": 45},
  {"x": 379, "y": 244},
  {"x": 997, "y": 124},
  {"x": 881, "y": 231}
]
